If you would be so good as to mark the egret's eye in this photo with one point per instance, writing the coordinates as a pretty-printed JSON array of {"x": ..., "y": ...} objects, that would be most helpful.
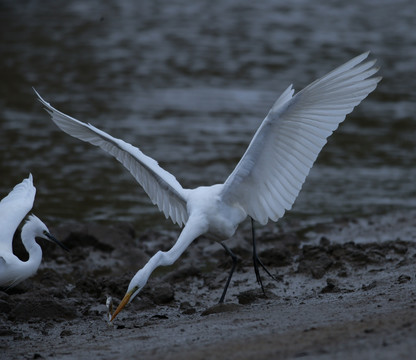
[{"x": 135, "y": 289}]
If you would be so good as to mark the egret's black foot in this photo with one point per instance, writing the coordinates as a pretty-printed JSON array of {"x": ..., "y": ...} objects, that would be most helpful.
[{"x": 257, "y": 261}]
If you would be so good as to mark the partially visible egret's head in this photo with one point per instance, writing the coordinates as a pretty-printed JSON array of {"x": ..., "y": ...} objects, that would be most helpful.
[
  {"x": 39, "y": 229},
  {"x": 135, "y": 286}
]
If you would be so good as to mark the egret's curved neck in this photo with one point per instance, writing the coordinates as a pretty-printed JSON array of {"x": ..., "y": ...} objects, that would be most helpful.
[
  {"x": 193, "y": 228},
  {"x": 33, "y": 248}
]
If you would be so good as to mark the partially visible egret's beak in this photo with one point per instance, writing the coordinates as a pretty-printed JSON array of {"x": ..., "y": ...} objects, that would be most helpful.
[
  {"x": 123, "y": 303},
  {"x": 56, "y": 241}
]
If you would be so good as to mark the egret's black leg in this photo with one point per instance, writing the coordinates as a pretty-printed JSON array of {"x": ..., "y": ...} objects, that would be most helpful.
[
  {"x": 255, "y": 257},
  {"x": 257, "y": 261},
  {"x": 234, "y": 258}
]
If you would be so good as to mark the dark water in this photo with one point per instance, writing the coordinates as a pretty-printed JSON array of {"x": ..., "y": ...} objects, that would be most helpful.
[{"x": 189, "y": 82}]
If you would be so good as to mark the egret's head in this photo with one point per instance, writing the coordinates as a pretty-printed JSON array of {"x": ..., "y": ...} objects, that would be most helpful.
[
  {"x": 135, "y": 286},
  {"x": 41, "y": 230}
]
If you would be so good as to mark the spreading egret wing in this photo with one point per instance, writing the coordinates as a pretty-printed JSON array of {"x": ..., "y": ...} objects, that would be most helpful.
[
  {"x": 270, "y": 174},
  {"x": 13, "y": 209},
  {"x": 161, "y": 186}
]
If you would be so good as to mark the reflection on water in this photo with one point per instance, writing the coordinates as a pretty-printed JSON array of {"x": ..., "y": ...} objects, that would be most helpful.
[{"x": 189, "y": 84}]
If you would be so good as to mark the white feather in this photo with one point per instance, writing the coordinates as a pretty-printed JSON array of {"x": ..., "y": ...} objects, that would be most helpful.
[{"x": 13, "y": 209}]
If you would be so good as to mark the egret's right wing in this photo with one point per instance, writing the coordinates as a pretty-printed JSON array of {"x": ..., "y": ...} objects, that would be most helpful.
[
  {"x": 161, "y": 186},
  {"x": 269, "y": 176},
  {"x": 13, "y": 209}
]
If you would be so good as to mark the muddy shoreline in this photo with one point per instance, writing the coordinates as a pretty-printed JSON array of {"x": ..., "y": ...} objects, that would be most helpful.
[{"x": 335, "y": 297}]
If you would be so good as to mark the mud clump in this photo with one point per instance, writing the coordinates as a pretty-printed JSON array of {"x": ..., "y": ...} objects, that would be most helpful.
[
  {"x": 278, "y": 257},
  {"x": 46, "y": 309},
  {"x": 162, "y": 294},
  {"x": 317, "y": 260},
  {"x": 221, "y": 308}
]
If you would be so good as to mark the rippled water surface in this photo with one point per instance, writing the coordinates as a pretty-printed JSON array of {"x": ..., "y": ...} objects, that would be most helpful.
[{"x": 189, "y": 83}]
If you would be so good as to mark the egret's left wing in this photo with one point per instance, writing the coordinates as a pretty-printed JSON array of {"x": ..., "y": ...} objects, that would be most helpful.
[
  {"x": 270, "y": 174},
  {"x": 161, "y": 186},
  {"x": 13, "y": 209}
]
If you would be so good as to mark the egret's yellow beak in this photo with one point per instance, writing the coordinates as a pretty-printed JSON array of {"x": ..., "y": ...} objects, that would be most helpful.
[{"x": 123, "y": 303}]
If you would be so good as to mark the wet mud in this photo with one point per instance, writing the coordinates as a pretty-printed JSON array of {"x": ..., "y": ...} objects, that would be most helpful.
[{"x": 330, "y": 298}]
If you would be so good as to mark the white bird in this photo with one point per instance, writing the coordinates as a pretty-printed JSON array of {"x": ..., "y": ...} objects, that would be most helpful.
[
  {"x": 267, "y": 179},
  {"x": 13, "y": 208}
]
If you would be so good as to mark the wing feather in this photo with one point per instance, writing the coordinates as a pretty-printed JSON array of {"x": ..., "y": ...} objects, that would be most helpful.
[
  {"x": 13, "y": 209},
  {"x": 269, "y": 176},
  {"x": 161, "y": 186}
]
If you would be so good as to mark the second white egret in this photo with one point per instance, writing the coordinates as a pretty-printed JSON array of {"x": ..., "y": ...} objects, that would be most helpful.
[
  {"x": 267, "y": 179},
  {"x": 13, "y": 208}
]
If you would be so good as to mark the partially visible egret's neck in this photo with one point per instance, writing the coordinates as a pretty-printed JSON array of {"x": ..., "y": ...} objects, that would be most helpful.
[
  {"x": 33, "y": 248},
  {"x": 190, "y": 232}
]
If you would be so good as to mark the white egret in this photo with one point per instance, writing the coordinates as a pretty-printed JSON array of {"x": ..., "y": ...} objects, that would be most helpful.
[
  {"x": 13, "y": 208},
  {"x": 267, "y": 179}
]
